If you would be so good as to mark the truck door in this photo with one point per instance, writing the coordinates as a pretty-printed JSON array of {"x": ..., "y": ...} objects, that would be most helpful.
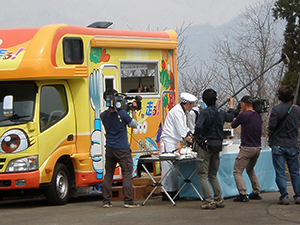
[{"x": 56, "y": 124}]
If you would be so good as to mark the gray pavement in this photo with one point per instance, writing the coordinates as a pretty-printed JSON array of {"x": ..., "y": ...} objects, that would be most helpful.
[{"x": 88, "y": 210}]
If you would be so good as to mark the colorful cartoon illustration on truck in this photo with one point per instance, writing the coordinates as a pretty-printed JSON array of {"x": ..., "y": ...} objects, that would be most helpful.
[
  {"x": 14, "y": 141},
  {"x": 96, "y": 149}
]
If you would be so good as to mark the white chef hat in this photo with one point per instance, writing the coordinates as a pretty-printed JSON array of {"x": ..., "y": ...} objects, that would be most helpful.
[{"x": 187, "y": 97}]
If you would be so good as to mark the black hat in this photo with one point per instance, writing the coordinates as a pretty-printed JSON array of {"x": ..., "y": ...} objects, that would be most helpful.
[{"x": 247, "y": 99}]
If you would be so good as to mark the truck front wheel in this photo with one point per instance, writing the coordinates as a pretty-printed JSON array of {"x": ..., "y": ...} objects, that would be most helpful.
[{"x": 58, "y": 192}]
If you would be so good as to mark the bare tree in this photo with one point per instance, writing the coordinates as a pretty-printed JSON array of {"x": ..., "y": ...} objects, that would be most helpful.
[
  {"x": 192, "y": 78},
  {"x": 196, "y": 80},
  {"x": 184, "y": 55},
  {"x": 243, "y": 52}
]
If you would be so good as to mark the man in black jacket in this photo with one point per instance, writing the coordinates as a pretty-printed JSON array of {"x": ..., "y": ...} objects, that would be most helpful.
[
  {"x": 209, "y": 126},
  {"x": 283, "y": 131}
]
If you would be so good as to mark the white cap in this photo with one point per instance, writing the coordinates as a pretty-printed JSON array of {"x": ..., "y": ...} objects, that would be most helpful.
[{"x": 187, "y": 97}]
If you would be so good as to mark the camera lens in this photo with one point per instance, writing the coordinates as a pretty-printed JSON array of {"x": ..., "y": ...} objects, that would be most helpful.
[{"x": 118, "y": 105}]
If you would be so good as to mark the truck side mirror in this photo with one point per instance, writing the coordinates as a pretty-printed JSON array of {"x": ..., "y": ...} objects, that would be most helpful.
[{"x": 8, "y": 105}]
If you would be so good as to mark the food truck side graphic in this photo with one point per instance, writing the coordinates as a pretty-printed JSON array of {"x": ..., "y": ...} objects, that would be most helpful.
[{"x": 52, "y": 81}]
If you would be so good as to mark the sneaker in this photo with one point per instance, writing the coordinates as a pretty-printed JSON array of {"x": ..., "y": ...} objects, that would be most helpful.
[
  {"x": 107, "y": 205},
  {"x": 255, "y": 196},
  {"x": 131, "y": 205},
  {"x": 208, "y": 205},
  {"x": 284, "y": 201},
  {"x": 220, "y": 203},
  {"x": 241, "y": 198},
  {"x": 297, "y": 200}
]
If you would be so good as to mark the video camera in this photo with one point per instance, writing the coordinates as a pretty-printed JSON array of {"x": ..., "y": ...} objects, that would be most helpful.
[
  {"x": 260, "y": 105},
  {"x": 120, "y": 101}
]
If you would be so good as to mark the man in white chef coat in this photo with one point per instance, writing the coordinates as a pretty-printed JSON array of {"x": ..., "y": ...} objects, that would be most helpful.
[{"x": 175, "y": 129}]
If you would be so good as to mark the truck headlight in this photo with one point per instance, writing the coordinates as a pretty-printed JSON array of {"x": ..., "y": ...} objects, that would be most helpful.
[{"x": 24, "y": 164}]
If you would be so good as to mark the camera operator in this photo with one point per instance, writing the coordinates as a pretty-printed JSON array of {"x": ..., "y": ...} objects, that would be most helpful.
[
  {"x": 117, "y": 148},
  {"x": 209, "y": 129},
  {"x": 283, "y": 128},
  {"x": 175, "y": 130},
  {"x": 251, "y": 130}
]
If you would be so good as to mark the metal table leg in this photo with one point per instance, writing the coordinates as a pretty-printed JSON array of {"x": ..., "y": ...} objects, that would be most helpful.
[
  {"x": 157, "y": 184},
  {"x": 187, "y": 181}
]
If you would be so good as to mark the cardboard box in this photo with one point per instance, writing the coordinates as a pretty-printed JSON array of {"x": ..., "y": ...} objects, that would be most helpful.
[
  {"x": 149, "y": 184},
  {"x": 138, "y": 193}
]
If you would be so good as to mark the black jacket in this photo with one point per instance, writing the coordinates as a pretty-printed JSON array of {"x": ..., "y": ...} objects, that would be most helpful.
[
  {"x": 286, "y": 135},
  {"x": 210, "y": 123}
]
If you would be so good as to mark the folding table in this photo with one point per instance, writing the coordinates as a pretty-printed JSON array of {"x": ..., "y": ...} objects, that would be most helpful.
[
  {"x": 188, "y": 179},
  {"x": 155, "y": 158},
  {"x": 173, "y": 161}
]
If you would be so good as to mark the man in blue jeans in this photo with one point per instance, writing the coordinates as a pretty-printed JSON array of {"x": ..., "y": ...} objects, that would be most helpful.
[{"x": 283, "y": 137}]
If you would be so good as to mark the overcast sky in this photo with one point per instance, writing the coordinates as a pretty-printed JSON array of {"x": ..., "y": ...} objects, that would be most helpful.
[{"x": 130, "y": 14}]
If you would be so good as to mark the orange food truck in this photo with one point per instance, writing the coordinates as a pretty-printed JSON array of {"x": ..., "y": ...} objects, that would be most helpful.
[{"x": 52, "y": 81}]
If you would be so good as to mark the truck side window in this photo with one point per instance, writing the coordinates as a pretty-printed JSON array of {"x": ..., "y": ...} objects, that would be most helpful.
[
  {"x": 73, "y": 50},
  {"x": 109, "y": 83},
  {"x": 53, "y": 105},
  {"x": 139, "y": 77}
]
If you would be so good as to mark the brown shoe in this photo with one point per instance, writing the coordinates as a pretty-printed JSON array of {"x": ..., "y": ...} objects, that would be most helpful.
[
  {"x": 208, "y": 205},
  {"x": 220, "y": 203},
  {"x": 297, "y": 200},
  {"x": 284, "y": 201}
]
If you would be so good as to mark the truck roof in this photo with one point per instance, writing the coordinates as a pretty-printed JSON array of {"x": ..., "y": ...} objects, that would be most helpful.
[{"x": 35, "y": 48}]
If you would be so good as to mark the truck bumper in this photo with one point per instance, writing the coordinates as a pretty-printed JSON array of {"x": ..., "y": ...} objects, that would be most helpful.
[{"x": 26, "y": 180}]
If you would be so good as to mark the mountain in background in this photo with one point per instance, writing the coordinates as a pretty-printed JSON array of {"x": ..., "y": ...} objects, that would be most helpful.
[
  {"x": 133, "y": 14},
  {"x": 200, "y": 37}
]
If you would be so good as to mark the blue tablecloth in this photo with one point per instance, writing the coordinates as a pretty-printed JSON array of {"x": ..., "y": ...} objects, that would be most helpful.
[{"x": 264, "y": 170}]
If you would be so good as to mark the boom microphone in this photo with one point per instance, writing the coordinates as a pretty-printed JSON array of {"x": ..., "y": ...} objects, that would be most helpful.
[{"x": 284, "y": 58}]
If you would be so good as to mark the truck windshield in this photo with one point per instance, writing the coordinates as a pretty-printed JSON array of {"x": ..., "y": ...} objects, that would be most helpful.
[{"x": 24, "y": 93}]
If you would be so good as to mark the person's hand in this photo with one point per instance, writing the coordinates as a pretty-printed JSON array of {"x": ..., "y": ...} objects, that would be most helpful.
[
  {"x": 189, "y": 139},
  {"x": 230, "y": 102},
  {"x": 133, "y": 106}
]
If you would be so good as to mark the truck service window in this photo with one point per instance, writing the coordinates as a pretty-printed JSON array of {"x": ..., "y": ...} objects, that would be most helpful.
[
  {"x": 24, "y": 93},
  {"x": 139, "y": 77},
  {"x": 53, "y": 105}
]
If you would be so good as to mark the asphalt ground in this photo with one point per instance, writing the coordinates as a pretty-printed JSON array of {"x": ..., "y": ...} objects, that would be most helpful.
[{"x": 88, "y": 210}]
